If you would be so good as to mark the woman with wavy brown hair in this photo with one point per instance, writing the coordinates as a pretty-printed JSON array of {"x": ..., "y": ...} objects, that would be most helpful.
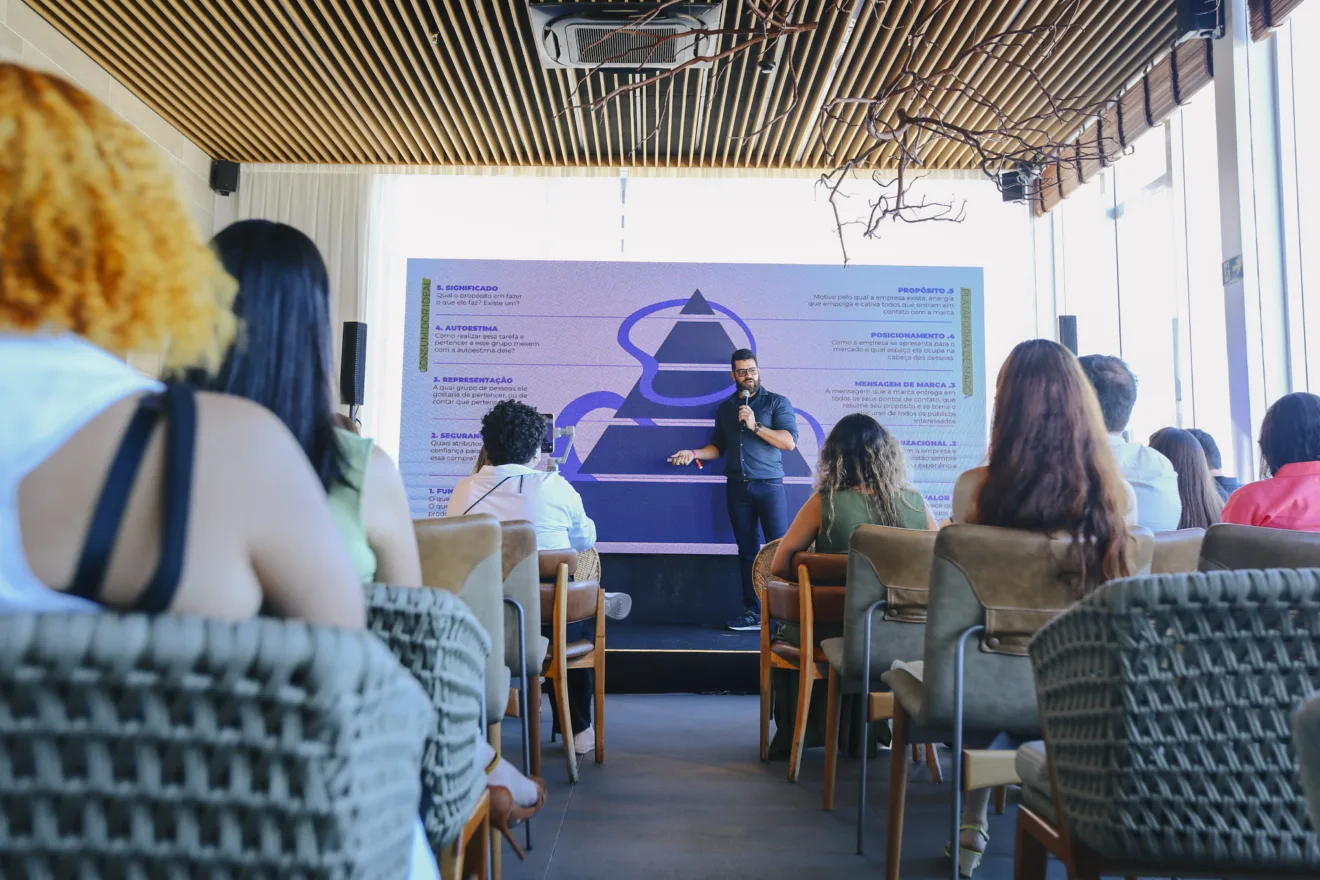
[
  {"x": 861, "y": 479},
  {"x": 1201, "y": 505},
  {"x": 1050, "y": 469}
]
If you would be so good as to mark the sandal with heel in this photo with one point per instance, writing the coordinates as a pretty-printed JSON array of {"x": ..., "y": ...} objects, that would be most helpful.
[
  {"x": 970, "y": 859},
  {"x": 505, "y": 812}
]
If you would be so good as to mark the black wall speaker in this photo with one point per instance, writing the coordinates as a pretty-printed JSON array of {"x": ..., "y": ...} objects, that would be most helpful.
[
  {"x": 224, "y": 176},
  {"x": 1201, "y": 18},
  {"x": 1068, "y": 332},
  {"x": 1013, "y": 186},
  {"x": 353, "y": 364}
]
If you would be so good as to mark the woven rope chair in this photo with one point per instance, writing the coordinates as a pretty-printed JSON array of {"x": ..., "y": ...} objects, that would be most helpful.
[
  {"x": 761, "y": 567},
  {"x": 1167, "y": 704},
  {"x": 162, "y": 746},
  {"x": 435, "y": 637},
  {"x": 1306, "y": 734},
  {"x": 588, "y": 565}
]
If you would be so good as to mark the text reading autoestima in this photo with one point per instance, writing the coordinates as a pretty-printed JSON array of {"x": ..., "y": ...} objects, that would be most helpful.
[
  {"x": 474, "y": 328},
  {"x": 478, "y": 380},
  {"x": 484, "y": 288}
]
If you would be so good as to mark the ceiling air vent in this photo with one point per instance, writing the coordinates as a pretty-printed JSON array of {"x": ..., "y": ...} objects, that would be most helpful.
[{"x": 619, "y": 35}]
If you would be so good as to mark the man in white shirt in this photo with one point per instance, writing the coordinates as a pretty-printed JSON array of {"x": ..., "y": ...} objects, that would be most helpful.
[
  {"x": 510, "y": 488},
  {"x": 1151, "y": 475}
]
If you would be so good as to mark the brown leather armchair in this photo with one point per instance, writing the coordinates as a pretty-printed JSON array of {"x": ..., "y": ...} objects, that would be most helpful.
[
  {"x": 564, "y": 602},
  {"x": 1233, "y": 547},
  {"x": 817, "y": 596}
]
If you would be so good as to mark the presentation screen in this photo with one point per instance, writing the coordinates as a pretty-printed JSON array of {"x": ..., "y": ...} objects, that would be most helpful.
[{"x": 635, "y": 358}]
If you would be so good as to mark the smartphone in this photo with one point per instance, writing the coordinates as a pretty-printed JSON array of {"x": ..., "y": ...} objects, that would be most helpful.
[{"x": 548, "y": 440}]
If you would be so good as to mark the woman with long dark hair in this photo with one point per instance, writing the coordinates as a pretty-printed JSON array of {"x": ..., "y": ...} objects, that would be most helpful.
[
  {"x": 1288, "y": 494},
  {"x": 1201, "y": 506},
  {"x": 861, "y": 479},
  {"x": 282, "y": 360},
  {"x": 1050, "y": 469}
]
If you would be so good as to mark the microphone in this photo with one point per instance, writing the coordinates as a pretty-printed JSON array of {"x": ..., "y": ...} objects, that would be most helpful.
[{"x": 746, "y": 396}]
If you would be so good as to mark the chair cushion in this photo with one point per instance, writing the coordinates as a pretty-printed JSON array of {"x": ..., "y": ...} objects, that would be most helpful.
[
  {"x": 787, "y": 650},
  {"x": 1032, "y": 766},
  {"x": 550, "y": 561},
  {"x": 824, "y": 569},
  {"x": 537, "y": 653},
  {"x": 574, "y": 650},
  {"x": 906, "y": 688},
  {"x": 833, "y": 651},
  {"x": 581, "y": 598}
]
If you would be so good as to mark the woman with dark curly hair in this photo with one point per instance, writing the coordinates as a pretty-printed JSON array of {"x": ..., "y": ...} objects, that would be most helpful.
[{"x": 1288, "y": 494}]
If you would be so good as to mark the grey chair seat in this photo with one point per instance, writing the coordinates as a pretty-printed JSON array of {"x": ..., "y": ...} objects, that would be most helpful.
[{"x": 1034, "y": 770}]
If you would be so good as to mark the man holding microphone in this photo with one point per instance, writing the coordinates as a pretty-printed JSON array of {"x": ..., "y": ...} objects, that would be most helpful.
[{"x": 753, "y": 429}]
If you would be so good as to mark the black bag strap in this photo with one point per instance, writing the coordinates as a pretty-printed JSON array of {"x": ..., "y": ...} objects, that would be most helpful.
[
  {"x": 492, "y": 489},
  {"x": 89, "y": 577}
]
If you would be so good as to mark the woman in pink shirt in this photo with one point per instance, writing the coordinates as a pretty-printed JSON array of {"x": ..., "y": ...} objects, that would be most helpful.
[{"x": 1288, "y": 495}]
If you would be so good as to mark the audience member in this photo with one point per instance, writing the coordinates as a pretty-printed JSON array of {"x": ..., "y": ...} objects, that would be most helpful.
[
  {"x": 1288, "y": 494},
  {"x": 1150, "y": 474},
  {"x": 1224, "y": 485},
  {"x": 99, "y": 256},
  {"x": 1049, "y": 470},
  {"x": 861, "y": 479},
  {"x": 285, "y": 365},
  {"x": 510, "y": 488},
  {"x": 1197, "y": 490}
]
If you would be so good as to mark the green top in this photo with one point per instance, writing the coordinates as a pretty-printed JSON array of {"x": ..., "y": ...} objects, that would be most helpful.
[
  {"x": 345, "y": 498},
  {"x": 853, "y": 508}
]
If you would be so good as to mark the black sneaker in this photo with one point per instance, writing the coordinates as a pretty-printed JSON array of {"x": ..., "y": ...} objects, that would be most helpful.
[{"x": 748, "y": 620}]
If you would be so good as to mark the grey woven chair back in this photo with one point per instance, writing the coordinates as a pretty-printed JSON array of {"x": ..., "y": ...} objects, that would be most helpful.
[
  {"x": 437, "y": 638},
  {"x": 1232, "y": 547},
  {"x": 462, "y": 554},
  {"x": 1010, "y": 582},
  {"x": 893, "y": 565},
  {"x": 1306, "y": 736},
  {"x": 1167, "y": 702},
  {"x": 137, "y": 746}
]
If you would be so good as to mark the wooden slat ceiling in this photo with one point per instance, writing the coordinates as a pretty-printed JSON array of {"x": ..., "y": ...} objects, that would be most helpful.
[{"x": 458, "y": 82}]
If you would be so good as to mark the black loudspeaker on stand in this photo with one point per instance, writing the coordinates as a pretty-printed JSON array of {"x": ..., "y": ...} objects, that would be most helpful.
[
  {"x": 1068, "y": 332},
  {"x": 353, "y": 367}
]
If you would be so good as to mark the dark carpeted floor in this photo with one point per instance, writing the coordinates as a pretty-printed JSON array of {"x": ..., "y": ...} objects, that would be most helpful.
[{"x": 682, "y": 794}]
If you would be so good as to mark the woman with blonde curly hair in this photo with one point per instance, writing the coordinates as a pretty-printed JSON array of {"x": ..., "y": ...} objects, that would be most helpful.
[
  {"x": 861, "y": 479},
  {"x": 220, "y": 514}
]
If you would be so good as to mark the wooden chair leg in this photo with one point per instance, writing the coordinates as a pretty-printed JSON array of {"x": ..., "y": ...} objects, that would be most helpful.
[
  {"x": 916, "y": 754},
  {"x": 764, "y": 671},
  {"x": 1001, "y": 799},
  {"x": 565, "y": 724},
  {"x": 1029, "y": 854},
  {"x": 600, "y": 706},
  {"x": 532, "y": 718},
  {"x": 897, "y": 792},
  {"x": 933, "y": 761},
  {"x": 806, "y": 677},
  {"x": 832, "y": 710}
]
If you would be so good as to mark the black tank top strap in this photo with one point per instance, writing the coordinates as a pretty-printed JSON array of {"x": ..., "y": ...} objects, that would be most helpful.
[{"x": 89, "y": 577}]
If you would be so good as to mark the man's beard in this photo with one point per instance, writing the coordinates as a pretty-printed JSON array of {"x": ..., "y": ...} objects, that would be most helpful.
[{"x": 751, "y": 386}]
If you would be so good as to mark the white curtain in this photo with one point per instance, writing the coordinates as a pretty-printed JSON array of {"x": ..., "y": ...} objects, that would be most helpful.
[{"x": 333, "y": 208}]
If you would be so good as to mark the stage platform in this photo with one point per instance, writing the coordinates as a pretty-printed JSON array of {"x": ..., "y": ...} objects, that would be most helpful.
[{"x": 676, "y": 659}]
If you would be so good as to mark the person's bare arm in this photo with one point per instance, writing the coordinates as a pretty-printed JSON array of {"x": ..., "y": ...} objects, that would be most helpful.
[
  {"x": 964, "y": 493},
  {"x": 297, "y": 553},
  {"x": 931, "y": 525},
  {"x": 804, "y": 530},
  {"x": 388, "y": 522}
]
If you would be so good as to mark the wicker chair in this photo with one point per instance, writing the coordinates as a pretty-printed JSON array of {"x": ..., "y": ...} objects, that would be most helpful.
[
  {"x": 162, "y": 746},
  {"x": 1167, "y": 706},
  {"x": 1306, "y": 734},
  {"x": 437, "y": 639}
]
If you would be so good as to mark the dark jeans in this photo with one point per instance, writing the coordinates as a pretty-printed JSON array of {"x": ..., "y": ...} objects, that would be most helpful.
[
  {"x": 580, "y": 682},
  {"x": 750, "y": 502}
]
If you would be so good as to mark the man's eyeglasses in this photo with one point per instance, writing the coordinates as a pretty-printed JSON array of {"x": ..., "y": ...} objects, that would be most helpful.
[{"x": 743, "y": 374}]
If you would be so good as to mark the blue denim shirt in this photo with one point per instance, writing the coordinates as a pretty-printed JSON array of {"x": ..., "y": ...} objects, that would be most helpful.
[{"x": 745, "y": 454}]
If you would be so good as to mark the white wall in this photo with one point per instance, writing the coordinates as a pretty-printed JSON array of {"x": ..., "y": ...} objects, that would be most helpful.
[{"x": 28, "y": 39}]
